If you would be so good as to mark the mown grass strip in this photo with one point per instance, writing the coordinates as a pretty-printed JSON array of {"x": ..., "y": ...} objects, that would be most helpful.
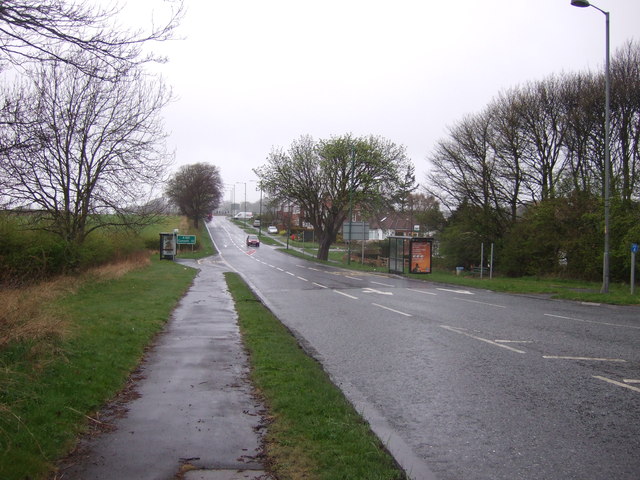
[
  {"x": 47, "y": 389},
  {"x": 315, "y": 433}
]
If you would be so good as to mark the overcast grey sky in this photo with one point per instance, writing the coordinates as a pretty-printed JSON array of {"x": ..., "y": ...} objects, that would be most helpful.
[{"x": 254, "y": 74}]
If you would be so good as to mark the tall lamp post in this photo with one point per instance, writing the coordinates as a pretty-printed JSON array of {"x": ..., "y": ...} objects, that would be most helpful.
[
  {"x": 260, "y": 213},
  {"x": 607, "y": 159}
]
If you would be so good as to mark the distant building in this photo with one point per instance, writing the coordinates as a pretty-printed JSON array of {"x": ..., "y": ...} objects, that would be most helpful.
[{"x": 393, "y": 224}]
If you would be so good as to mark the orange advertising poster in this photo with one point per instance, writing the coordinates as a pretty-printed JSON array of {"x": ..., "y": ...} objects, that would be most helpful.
[{"x": 420, "y": 257}]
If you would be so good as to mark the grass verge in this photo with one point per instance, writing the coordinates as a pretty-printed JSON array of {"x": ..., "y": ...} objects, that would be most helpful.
[
  {"x": 315, "y": 433},
  {"x": 49, "y": 386}
]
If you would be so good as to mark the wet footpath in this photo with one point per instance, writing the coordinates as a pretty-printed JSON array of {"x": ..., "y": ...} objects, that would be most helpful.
[{"x": 191, "y": 413}]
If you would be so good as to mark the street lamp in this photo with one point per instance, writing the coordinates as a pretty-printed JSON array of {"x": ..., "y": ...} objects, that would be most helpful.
[
  {"x": 607, "y": 181},
  {"x": 260, "y": 212}
]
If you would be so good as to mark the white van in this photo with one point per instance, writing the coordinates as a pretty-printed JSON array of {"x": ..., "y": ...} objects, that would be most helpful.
[{"x": 243, "y": 215}]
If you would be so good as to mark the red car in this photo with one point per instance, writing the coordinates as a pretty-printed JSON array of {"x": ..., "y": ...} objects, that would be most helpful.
[{"x": 253, "y": 241}]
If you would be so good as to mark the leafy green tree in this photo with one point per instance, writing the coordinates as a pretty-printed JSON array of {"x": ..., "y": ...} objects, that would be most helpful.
[
  {"x": 326, "y": 177},
  {"x": 196, "y": 190},
  {"x": 466, "y": 229}
]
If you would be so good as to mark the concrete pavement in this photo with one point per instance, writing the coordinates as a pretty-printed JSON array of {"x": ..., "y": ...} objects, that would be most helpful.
[{"x": 194, "y": 417}]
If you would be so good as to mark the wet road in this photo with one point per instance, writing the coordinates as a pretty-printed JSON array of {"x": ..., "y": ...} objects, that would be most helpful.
[{"x": 463, "y": 383}]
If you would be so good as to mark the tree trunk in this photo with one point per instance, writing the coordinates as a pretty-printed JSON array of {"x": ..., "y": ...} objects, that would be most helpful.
[{"x": 324, "y": 246}]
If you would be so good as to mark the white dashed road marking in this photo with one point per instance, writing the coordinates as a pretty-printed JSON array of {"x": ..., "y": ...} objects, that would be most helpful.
[
  {"x": 486, "y": 340},
  {"x": 615, "y": 382}
]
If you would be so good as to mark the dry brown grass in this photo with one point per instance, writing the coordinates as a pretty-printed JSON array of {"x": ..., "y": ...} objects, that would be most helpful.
[{"x": 27, "y": 313}]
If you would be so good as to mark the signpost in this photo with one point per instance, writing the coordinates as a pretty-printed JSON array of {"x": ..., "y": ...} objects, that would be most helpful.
[
  {"x": 634, "y": 250},
  {"x": 355, "y": 231}
]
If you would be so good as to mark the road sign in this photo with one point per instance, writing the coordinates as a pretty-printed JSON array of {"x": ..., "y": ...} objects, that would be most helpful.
[
  {"x": 634, "y": 247},
  {"x": 186, "y": 240},
  {"x": 355, "y": 231}
]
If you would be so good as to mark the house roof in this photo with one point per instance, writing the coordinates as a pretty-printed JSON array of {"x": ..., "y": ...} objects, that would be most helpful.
[{"x": 392, "y": 221}]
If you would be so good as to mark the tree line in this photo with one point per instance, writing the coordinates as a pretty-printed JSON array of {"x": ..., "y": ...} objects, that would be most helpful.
[{"x": 527, "y": 173}]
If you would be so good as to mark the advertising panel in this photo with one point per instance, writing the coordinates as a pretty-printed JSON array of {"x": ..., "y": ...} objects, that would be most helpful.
[{"x": 420, "y": 254}]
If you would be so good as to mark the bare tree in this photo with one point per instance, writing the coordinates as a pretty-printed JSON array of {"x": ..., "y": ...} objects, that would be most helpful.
[
  {"x": 625, "y": 71},
  {"x": 508, "y": 144},
  {"x": 55, "y": 30},
  {"x": 196, "y": 190},
  {"x": 90, "y": 150},
  {"x": 584, "y": 135},
  {"x": 464, "y": 165},
  {"x": 544, "y": 122}
]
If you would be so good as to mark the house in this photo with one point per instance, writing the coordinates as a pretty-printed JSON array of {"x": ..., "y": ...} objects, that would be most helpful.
[{"x": 394, "y": 223}]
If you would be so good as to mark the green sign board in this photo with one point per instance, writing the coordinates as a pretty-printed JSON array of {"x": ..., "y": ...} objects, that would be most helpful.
[{"x": 186, "y": 240}]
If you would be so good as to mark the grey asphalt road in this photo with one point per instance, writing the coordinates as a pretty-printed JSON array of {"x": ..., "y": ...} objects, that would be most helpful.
[{"x": 464, "y": 383}]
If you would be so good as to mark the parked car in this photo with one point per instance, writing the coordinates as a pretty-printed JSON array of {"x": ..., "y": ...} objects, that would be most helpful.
[
  {"x": 253, "y": 241},
  {"x": 272, "y": 229},
  {"x": 256, "y": 222}
]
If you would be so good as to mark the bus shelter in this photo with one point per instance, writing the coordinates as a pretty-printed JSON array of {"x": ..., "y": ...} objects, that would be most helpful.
[{"x": 410, "y": 254}]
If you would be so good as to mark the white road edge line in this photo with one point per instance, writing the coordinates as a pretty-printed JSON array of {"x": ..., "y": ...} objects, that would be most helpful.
[
  {"x": 486, "y": 340},
  {"x": 346, "y": 294},
  {"x": 614, "y": 382},
  {"x": 422, "y": 291},
  {"x": 383, "y": 284},
  {"x": 464, "y": 292},
  {"x": 513, "y": 341},
  {"x": 591, "y": 321},
  {"x": 392, "y": 310},
  {"x": 594, "y": 359},
  {"x": 482, "y": 303}
]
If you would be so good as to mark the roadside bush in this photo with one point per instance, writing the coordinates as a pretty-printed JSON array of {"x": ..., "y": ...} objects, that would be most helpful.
[
  {"x": 28, "y": 255},
  {"x": 559, "y": 237}
]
